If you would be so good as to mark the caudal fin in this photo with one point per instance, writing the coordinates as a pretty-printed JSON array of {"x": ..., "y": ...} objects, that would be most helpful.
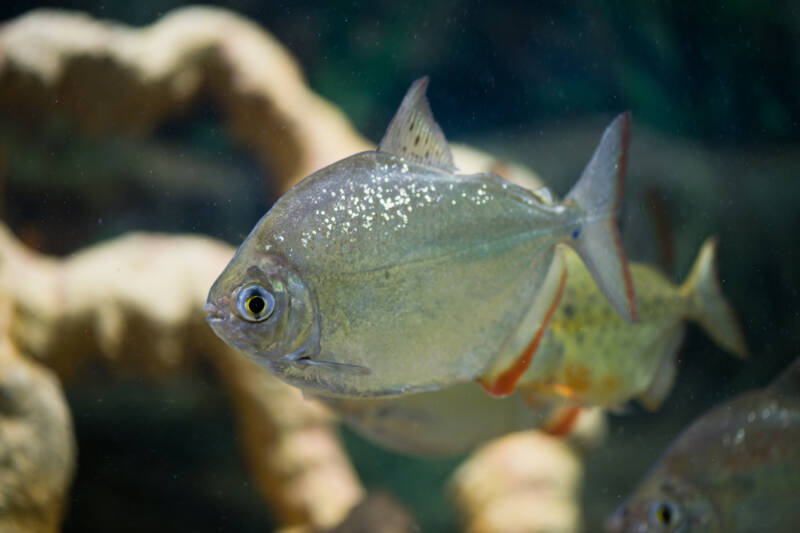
[
  {"x": 598, "y": 194},
  {"x": 708, "y": 306}
]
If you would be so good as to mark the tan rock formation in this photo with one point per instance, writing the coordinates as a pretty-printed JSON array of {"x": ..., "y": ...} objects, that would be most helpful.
[
  {"x": 525, "y": 482},
  {"x": 105, "y": 77},
  {"x": 37, "y": 446},
  {"x": 136, "y": 303}
]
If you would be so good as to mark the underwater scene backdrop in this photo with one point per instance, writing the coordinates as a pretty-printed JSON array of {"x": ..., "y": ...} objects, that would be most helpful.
[{"x": 715, "y": 151}]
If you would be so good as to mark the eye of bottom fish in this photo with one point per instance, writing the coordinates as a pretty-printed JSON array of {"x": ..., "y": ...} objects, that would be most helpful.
[
  {"x": 255, "y": 303},
  {"x": 665, "y": 514}
]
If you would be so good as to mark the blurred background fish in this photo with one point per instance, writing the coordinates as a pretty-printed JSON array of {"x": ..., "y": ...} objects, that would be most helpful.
[
  {"x": 591, "y": 356},
  {"x": 734, "y": 470}
]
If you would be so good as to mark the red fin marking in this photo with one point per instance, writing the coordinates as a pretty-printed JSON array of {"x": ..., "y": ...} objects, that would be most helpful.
[
  {"x": 659, "y": 216},
  {"x": 622, "y": 167},
  {"x": 507, "y": 381},
  {"x": 564, "y": 422}
]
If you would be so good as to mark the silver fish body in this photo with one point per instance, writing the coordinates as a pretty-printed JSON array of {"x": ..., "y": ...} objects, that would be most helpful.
[
  {"x": 387, "y": 273},
  {"x": 389, "y": 248}
]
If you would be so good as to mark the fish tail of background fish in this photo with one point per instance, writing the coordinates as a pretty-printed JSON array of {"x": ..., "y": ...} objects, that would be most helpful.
[
  {"x": 598, "y": 195},
  {"x": 708, "y": 306}
]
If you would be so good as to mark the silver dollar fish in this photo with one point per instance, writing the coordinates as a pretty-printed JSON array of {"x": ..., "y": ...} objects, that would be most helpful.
[
  {"x": 734, "y": 470},
  {"x": 387, "y": 272}
]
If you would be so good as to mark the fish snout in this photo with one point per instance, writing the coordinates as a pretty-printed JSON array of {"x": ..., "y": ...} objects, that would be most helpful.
[
  {"x": 618, "y": 522},
  {"x": 213, "y": 313},
  {"x": 613, "y": 524}
]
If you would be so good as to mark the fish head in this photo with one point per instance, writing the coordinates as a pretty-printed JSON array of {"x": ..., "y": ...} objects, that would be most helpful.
[
  {"x": 664, "y": 505},
  {"x": 261, "y": 306}
]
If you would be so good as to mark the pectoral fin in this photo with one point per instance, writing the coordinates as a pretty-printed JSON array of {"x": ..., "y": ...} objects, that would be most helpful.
[{"x": 301, "y": 359}]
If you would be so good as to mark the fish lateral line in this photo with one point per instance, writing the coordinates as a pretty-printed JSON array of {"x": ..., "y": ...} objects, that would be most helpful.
[
  {"x": 515, "y": 239},
  {"x": 506, "y": 382}
]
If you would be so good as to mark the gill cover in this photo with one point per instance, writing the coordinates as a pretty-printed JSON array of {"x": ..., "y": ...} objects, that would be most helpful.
[{"x": 291, "y": 325}]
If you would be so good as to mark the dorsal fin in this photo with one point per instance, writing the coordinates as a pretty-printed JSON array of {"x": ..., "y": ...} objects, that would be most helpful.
[
  {"x": 788, "y": 382},
  {"x": 414, "y": 135}
]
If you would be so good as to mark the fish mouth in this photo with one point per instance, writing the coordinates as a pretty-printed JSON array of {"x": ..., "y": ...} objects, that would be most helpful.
[
  {"x": 214, "y": 314},
  {"x": 614, "y": 523}
]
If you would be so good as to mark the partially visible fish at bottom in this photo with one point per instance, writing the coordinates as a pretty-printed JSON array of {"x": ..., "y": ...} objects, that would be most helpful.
[
  {"x": 734, "y": 470},
  {"x": 592, "y": 356}
]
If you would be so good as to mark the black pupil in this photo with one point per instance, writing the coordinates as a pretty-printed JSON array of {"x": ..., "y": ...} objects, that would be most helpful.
[
  {"x": 666, "y": 514},
  {"x": 256, "y": 304}
]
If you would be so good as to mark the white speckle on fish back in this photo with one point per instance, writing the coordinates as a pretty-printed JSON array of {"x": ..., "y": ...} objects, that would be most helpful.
[
  {"x": 361, "y": 205},
  {"x": 735, "y": 439}
]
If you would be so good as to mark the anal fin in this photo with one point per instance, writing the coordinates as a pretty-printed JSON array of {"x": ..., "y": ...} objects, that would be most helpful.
[
  {"x": 563, "y": 421},
  {"x": 667, "y": 349},
  {"x": 505, "y": 371}
]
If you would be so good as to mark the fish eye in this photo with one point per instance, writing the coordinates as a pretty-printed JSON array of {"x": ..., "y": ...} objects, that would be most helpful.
[
  {"x": 665, "y": 514},
  {"x": 255, "y": 303}
]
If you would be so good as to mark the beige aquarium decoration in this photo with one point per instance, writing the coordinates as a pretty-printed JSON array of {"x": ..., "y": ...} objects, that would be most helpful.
[{"x": 135, "y": 303}]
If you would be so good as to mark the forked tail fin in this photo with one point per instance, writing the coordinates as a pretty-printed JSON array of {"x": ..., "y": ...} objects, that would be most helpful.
[
  {"x": 598, "y": 194},
  {"x": 708, "y": 306}
]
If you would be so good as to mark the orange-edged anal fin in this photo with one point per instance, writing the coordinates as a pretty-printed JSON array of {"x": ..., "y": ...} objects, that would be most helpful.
[
  {"x": 563, "y": 421},
  {"x": 505, "y": 382}
]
